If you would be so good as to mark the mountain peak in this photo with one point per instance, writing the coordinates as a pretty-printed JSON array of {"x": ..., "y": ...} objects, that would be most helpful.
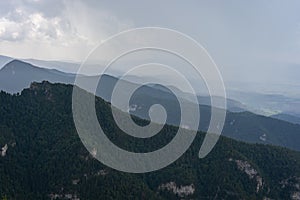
[
  {"x": 14, "y": 64},
  {"x": 16, "y": 61}
]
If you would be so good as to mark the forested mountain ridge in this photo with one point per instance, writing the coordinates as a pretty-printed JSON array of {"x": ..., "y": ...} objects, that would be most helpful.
[{"x": 42, "y": 157}]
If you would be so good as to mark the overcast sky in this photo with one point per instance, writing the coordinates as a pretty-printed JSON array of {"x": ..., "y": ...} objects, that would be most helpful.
[{"x": 243, "y": 37}]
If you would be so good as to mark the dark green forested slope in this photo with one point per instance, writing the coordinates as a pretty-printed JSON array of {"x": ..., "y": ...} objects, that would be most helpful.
[{"x": 45, "y": 159}]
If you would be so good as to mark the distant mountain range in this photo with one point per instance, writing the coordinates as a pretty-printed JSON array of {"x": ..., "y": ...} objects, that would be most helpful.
[
  {"x": 267, "y": 104},
  {"x": 241, "y": 125},
  {"x": 17, "y": 75},
  {"x": 67, "y": 67}
]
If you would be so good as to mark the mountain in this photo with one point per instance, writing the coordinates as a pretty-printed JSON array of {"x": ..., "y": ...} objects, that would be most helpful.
[
  {"x": 253, "y": 128},
  {"x": 67, "y": 67},
  {"x": 17, "y": 75},
  {"x": 287, "y": 117},
  {"x": 238, "y": 99},
  {"x": 243, "y": 126},
  {"x": 240, "y": 125},
  {"x": 42, "y": 157}
]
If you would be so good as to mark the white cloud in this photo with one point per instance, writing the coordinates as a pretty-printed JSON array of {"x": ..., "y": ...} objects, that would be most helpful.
[
  {"x": 76, "y": 25},
  {"x": 20, "y": 25}
]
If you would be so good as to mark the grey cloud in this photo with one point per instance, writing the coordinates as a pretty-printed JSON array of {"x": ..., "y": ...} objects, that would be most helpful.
[{"x": 246, "y": 39}]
